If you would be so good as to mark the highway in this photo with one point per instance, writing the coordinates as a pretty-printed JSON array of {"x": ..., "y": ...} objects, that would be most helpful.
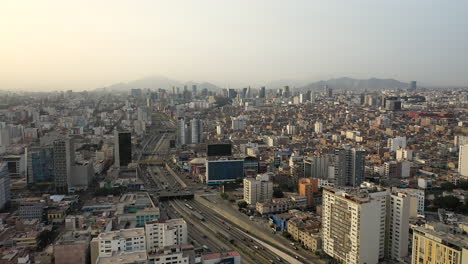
[{"x": 215, "y": 232}]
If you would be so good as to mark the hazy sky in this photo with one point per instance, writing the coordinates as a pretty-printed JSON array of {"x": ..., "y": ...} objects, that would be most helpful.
[{"x": 81, "y": 44}]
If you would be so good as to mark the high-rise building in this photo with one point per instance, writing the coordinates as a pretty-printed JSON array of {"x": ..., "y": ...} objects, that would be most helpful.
[
  {"x": 64, "y": 159},
  {"x": 365, "y": 227},
  {"x": 349, "y": 166},
  {"x": 309, "y": 188},
  {"x": 398, "y": 211},
  {"x": 463, "y": 160},
  {"x": 434, "y": 245},
  {"x": 413, "y": 85},
  {"x": 259, "y": 189},
  {"x": 194, "y": 90},
  {"x": 122, "y": 148},
  {"x": 291, "y": 130},
  {"x": 40, "y": 165},
  {"x": 404, "y": 154},
  {"x": 164, "y": 233},
  {"x": 318, "y": 166},
  {"x": 328, "y": 92},
  {"x": 182, "y": 132},
  {"x": 262, "y": 93},
  {"x": 286, "y": 92},
  {"x": 5, "y": 191},
  {"x": 353, "y": 227},
  {"x": 219, "y": 130},
  {"x": 238, "y": 123},
  {"x": 196, "y": 128}
]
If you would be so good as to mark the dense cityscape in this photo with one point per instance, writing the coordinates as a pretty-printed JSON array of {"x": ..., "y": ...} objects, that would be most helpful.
[{"x": 202, "y": 174}]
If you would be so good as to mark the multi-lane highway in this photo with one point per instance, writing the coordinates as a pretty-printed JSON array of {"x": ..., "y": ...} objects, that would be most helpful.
[{"x": 207, "y": 228}]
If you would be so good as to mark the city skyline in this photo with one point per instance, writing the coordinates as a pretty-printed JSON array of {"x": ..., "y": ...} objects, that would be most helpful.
[{"x": 53, "y": 45}]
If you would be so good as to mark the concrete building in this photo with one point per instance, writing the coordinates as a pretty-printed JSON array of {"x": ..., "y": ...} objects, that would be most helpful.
[
  {"x": 122, "y": 148},
  {"x": 110, "y": 243},
  {"x": 398, "y": 217},
  {"x": 432, "y": 246},
  {"x": 64, "y": 159},
  {"x": 164, "y": 233},
  {"x": 196, "y": 128},
  {"x": 309, "y": 188},
  {"x": 365, "y": 227},
  {"x": 238, "y": 123},
  {"x": 394, "y": 143},
  {"x": 349, "y": 166},
  {"x": 417, "y": 208},
  {"x": 31, "y": 210},
  {"x": 182, "y": 132},
  {"x": 169, "y": 255},
  {"x": 259, "y": 189},
  {"x": 463, "y": 160},
  {"x": 232, "y": 257},
  {"x": 5, "y": 187},
  {"x": 404, "y": 154},
  {"x": 137, "y": 257}
]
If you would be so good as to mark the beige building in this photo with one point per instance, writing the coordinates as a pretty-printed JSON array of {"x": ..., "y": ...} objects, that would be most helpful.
[
  {"x": 463, "y": 160},
  {"x": 306, "y": 232},
  {"x": 437, "y": 247},
  {"x": 259, "y": 189}
]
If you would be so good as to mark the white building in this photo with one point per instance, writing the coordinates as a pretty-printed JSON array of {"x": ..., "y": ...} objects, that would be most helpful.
[
  {"x": 5, "y": 188},
  {"x": 399, "y": 213},
  {"x": 291, "y": 130},
  {"x": 196, "y": 128},
  {"x": 169, "y": 255},
  {"x": 259, "y": 189},
  {"x": 394, "y": 143},
  {"x": 365, "y": 227},
  {"x": 123, "y": 240},
  {"x": 318, "y": 127},
  {"x": 164, "y": 233},
  {"x": 417, "y": 194},
  {"x": 460, "y": 140},
  {"x": 463, "y": 160}
]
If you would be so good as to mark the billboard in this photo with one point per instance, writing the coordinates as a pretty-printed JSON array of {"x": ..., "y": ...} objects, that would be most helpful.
[{"x": 218, "y": 171}]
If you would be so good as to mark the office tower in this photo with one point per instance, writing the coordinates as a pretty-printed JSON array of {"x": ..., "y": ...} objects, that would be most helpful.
[
  {"x": 328, "y": 92},
  {"x": 349, "y": 166},
  {"x": 394, "y": 143},
  {"x": 286, "y": 92},
  {"x": 463, "y": 160},
  {"x": 194, "y": 90},
  {"x": 434, "y": 245},
  {"x": 413, "y": 85},
  {"x": 196, "y": 128},
  {"x": 318, "y": 127},
  {"x": 259, "y": 189},
  {"x": 122, "y": 148},
  {"x": 164, "y": 233},
  {"x": 353, "y": 227},
  {"x": 232, "y": 93},
  {"x": 262, "y": 93},
  {"x": 135, "y": 92},
  {"x": 248, "y": 93},
  {"x": 40, "y": 166},
  {"x": 64, "y": 159},
  {"x": 244, "y": 92},
  {"x": 309, "y": 188},
  {"x": 5, "y": 191}
]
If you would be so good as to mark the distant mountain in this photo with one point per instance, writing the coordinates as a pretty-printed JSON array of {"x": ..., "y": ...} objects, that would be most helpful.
[
  {"x": 155, "y": 82},
  {"x": 346, "y": 83},
  {"x": 276, "y": 84}
]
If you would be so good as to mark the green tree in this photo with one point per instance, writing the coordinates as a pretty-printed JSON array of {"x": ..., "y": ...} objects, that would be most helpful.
[
  {"x": 447, "y": 202},
  {"x": 225, "y": 196},
  {"x": 242, "y": 204}
]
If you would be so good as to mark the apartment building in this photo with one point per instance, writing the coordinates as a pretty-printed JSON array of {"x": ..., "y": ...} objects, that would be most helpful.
[
  {"x": 259, "y": 189},
  {"x": 164, "y": 233},
  {"x": 365, "y": 226},
  {"x": 110, "y": 243},
  {"x": 432, "y": 246}
]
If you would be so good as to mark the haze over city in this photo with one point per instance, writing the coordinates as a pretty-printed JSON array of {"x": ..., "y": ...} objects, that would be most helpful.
[{"x": 82, "y": 45}]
